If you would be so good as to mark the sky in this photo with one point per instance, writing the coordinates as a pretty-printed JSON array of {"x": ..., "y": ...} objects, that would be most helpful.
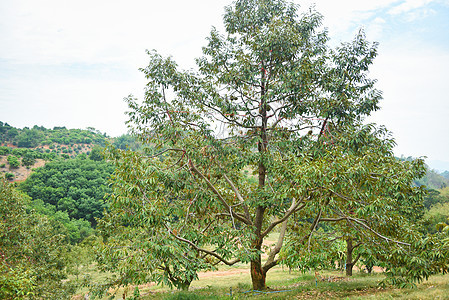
[{"x": 71, "y": 63}]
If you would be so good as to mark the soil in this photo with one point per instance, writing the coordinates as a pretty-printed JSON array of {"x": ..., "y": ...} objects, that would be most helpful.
[
  {"x": 21, "y": 173},
  {"x": 209, "y": 274}
]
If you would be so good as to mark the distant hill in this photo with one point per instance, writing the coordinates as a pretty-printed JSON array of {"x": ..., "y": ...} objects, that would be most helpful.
[
  {"x": 438, "y": 165},
  {"x": 432, "y": 180},
  {"x": 445, "y": 174},
  {"x": 62, "y": 171},
  {"x": 39, "y": 137},
  {"x": 22, "y": 149}
]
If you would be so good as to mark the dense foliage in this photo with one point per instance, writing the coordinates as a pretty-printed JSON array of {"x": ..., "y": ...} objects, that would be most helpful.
[
  {"x": 32, "y": 251},
  {"x": 136, "y": 247},
  {"x": 76, "y": 186},
  {"x": 437, "y": 213},
  {"x": 71, "y": 191}
]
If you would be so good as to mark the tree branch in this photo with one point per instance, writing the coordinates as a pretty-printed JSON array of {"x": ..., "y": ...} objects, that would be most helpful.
[
  {"x": 357, "y": 245},
  {"x": 332, "y": 219},
  {"x": 216, "y": 192},
  {"x": 365, "y": 226},
  {"x": 293, "y": 208},
  {"x": 270, "y": 261},
  {"x": 376, "y": 233},
  {"x": 239, "y": 196},
  {"x": 217, "y": 256},
  {"x": 312, "y": 228}
]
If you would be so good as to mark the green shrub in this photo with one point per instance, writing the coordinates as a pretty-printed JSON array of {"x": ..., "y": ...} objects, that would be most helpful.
[
  {"x": 4, "y": 150},
  {"x": 28, "y": 159},
  {"x": 13, "y": 161}
]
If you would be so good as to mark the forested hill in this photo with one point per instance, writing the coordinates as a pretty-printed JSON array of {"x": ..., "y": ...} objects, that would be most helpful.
[
  {"x": 39, "y": 137},
  {"x": 434, "y": 180},
  {"x": 22, "y": 150},
  {"x": 62, "y": 171}
]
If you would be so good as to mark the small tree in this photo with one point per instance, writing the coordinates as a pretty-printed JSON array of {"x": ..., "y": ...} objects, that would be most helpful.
[
  {"x": 13, "y": 161},
  {"x": 4, "y": 150},
  {"x": 96, "y": 154},
  {"x": 28, "y": 159},
  {"x": 9, "y": 176}
]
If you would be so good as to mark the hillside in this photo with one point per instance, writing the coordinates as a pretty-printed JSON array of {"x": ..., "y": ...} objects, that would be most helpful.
[
  {"x": 38, "y": 137},
  {"x": 433, "y": 180},
  {"x": 20, "y": 173},
  {"x": 22, "y": 150}
]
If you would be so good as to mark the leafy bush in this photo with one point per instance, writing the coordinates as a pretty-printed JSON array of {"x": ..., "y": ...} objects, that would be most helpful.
[
  {"x": 13, "y": 161},
  {"x": 32, "y": 260},
  {"x": 96, "y": 154},
  {"x": 28, "y": 159},
  {"x": 5, "y": 150}
]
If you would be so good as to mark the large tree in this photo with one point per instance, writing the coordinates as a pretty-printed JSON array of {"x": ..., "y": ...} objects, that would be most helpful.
[{"x": 268, "y": 133}]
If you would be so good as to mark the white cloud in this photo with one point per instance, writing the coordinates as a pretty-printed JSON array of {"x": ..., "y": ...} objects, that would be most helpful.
[
  {"x": 374, "y": 29},
  {"x": 342, "y": 15},
  {"x": 408, "y": 5}
]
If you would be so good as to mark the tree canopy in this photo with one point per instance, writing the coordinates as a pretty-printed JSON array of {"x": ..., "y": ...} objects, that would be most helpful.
[
  {"x": 76, "y": 186},
  {"x": 71, "y": 191}
]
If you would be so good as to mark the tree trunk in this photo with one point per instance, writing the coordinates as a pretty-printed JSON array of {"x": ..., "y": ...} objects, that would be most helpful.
[
  {"x": 369, "y": 267},
  {"x": 258, "y": 276},
  {"x": 349, "y": 262},
  {"x": 182, "y": 285}
]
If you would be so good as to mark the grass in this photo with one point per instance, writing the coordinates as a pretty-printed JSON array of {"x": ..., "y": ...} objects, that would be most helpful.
[
  {"x": 291, "y": 285},
  {"x": 284, "y": 284}
]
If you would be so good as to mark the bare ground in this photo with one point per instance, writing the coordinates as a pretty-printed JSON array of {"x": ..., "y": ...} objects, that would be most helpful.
[{"x": 21, "y": 173}]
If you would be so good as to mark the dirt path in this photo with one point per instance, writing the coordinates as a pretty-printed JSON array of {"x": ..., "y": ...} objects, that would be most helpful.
[
  {"x": 209, "y": 274},
  {"x": 230, "y": 272}
]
